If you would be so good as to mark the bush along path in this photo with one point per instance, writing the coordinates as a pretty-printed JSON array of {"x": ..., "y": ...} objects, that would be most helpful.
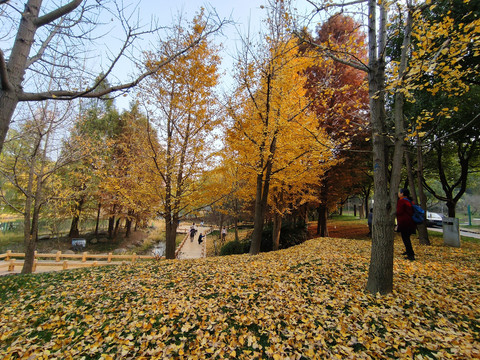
[{"x": 305, "y": 302}]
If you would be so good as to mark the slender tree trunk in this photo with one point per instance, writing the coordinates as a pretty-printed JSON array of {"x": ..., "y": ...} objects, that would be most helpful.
[
  {"x": 98, "y": 218},
  {"x": 128, "y": 224},
  {"x": 220, "y": 227},
  {"x": 117, "y": 226},
  {"x": 277, "y": 227},
  {"x": 424, "y": 239},
  {"x": 236, "y": 220},
  {"x": 422, "y": 228}
]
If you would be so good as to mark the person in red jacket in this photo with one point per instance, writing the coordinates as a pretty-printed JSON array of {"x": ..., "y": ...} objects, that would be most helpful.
[{"x": 405, "y": 224}]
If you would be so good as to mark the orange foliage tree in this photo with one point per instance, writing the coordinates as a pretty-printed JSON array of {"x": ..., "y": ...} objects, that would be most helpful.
[{"x": 340, "y": 99}]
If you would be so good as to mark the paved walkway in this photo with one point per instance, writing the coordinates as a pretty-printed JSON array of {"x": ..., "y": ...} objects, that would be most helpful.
[{"x": 192, "y": 249}]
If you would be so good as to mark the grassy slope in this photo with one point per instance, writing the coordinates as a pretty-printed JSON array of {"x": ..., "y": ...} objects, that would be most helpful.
[{"x": 303, "y": 302}]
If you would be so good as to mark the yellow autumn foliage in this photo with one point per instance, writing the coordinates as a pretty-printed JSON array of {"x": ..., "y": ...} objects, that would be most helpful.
[{"x": 304, "y": 302}]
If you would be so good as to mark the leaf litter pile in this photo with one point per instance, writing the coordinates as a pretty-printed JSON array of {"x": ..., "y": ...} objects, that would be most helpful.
[{"x": 306, "y": 302}]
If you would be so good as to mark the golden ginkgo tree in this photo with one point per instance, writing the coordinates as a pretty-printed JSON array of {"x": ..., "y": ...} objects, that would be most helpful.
[
  {"x": 275, "y": 137},
  {"x": 181, "y": 105}
]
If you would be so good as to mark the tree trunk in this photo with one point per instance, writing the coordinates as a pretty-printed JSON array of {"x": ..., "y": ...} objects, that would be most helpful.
[
  {"x": 277, "y": 227},
  {"x": 17, "y": 64},
  {"x": 128, "y": 223},
  {"x": 236, "y": 220},
  {"x": 220, "y": 227},
  {"x": 98, "y": 218},
  {"x": 74, "y": 232},
  {"x": 423, "y": 232},
  {"x": 322, "y": 229},
  {"x": 422, "y": 228},
  {"x": 117, "y": 226},
  {"x": 111, "y": 224},
  {"x": 171, "y": 224},
  {"x": 451, "y": 207},
  {"x": 380, "y": 273},
  {"x": 259, "y": 217}
]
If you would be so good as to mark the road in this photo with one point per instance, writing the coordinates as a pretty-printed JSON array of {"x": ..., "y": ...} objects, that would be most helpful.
[{"x": 463, "y": 232}]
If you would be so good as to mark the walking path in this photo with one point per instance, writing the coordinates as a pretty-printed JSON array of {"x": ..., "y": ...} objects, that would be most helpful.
[{"x": 192, "y": 249}]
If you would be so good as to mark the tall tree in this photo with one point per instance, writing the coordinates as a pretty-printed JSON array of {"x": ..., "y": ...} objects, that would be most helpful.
[
  {"x": 45, "y": 29},
  {"x": 29, "y": 167},
  {"x": 386, "y": 169},
  {"x": 272, "y": 130},
  {"x": 181, "y": 105},
  {"x": 341, "y": 105}
]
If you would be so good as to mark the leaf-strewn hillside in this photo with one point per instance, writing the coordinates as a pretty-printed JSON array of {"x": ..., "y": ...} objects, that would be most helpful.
[{"x": 307, "y": 302}]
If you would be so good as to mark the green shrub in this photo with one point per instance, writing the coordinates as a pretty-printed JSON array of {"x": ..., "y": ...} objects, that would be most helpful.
[
  {"x": 290, "y": 235},
  {"x": 235, "y": 247}
]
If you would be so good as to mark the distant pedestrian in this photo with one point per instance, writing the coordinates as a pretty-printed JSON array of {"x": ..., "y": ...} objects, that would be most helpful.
[
  {"x": 224, "y": 234},
  {"x": 405, "y": 224},
  {"x": 200, "y": 238},
  {"x": 192, "y": 232},
  {"x": 370, "y": 222}
]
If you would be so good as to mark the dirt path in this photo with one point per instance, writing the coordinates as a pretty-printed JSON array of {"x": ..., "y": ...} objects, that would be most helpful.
[{"x": 191, "y": 249}]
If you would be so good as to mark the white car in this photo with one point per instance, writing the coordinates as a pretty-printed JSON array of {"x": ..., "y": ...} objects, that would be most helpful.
[{"x": 434, "y": 219}]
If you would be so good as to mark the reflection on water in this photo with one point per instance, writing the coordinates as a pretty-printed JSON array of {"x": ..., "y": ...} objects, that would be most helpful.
[{"x": 159, "y": 249}]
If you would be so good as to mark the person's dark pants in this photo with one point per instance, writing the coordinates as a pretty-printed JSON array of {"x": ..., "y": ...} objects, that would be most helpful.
[{"x": 408, "y": 244}]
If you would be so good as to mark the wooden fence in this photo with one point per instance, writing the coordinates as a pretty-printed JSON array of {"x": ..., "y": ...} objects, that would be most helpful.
[{"x": 65, "y": 261}]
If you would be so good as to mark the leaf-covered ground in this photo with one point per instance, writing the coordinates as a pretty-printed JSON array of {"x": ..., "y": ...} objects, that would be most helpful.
[{"x": 307, "y": 302}]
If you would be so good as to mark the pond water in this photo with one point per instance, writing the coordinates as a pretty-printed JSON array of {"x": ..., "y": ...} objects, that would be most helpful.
[{"x": 159, "y": 249}]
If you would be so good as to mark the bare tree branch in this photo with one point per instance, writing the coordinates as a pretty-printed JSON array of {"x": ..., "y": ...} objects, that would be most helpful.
[
  {"x": 58, "y": 13},
  {"x": 91, "y": 93}
]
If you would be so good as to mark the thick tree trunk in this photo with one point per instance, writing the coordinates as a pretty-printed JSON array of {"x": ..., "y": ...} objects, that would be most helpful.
[
  {"x": 111, "y": 224},
  {"x": 380, "y": 273},
  {"x": 322, "y": 229},
  {"x": 171, "y": 223},
  {"x": 8, "y": 104},
  {"x": 451, "y": 205},
  {"x": 74, "y": 232},
  {"x": 128, "y": 223},
  {"x": 277, "y": 228}
]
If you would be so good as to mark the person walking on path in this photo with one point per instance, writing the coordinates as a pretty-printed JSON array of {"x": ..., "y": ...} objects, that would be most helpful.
[
  {"x": 200, "y": 238},
  {"x": 192, "y": 232},
  {"x": 405, "y": 224}
]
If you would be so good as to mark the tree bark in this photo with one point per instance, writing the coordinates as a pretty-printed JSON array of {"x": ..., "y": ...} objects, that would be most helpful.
[
  {"x": 277, "y": 227},
  {"x": 380, "y": 274},
  {"x": 74, "y": 232},
  {"x": 424, "y": 239},
  {"x": 98, "y": 218},
  {"x": 422, "y": 228}
]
